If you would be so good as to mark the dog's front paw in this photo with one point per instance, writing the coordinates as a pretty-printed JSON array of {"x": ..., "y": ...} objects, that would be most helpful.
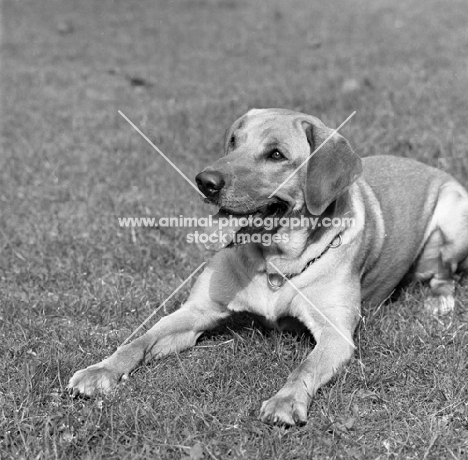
[
  {"x": 439, "y": 305},
  {"x": 284, "y": 410},
  {"x": 96, "y": 378}
]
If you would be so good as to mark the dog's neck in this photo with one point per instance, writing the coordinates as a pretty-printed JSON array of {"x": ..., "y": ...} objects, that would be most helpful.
[{"x": 306, "y": 243}]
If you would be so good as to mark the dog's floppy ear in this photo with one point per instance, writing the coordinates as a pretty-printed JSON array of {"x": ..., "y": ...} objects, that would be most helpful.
[{"x": 331, "y": 170}]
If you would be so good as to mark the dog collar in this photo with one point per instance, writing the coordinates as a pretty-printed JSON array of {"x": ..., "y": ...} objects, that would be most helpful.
[{"x": 276, "y": 280}]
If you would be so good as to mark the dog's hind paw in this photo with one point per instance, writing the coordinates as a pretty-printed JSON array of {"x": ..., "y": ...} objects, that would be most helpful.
[
  {"x": 94, "y": 379},
  {"x": 439, "y": 305}
]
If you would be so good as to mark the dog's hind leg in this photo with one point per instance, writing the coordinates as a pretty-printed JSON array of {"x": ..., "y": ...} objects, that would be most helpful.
[{"x": 446, "y": 249}]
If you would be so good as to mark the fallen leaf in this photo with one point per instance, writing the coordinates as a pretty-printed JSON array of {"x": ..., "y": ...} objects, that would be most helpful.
[{"x": 196, "y": 452}]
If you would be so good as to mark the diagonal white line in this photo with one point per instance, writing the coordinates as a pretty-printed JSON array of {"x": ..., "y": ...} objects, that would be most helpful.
[
  {"x": 315, "y": 151},
  {"x": 162, "y": 305},
  {"x": 162, "y": 154},
  {"x": 311, "y": 304}
]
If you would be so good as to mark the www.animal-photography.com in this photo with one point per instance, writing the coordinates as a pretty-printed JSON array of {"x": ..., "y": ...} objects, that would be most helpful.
[{"x": 234, "y": 229}]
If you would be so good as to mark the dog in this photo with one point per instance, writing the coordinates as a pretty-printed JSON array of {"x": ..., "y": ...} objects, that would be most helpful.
[{"x": 408, "y": 219}]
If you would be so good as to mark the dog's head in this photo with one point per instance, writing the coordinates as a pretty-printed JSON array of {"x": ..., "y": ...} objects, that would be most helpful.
[{"x": 266, "y": 170}]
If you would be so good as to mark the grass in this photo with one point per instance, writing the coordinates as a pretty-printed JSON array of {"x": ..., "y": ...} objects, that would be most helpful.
[{"x": 74, "y": 285}]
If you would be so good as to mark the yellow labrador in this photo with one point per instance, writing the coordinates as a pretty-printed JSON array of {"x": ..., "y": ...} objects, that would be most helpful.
[{"x": 406, "y": 218}]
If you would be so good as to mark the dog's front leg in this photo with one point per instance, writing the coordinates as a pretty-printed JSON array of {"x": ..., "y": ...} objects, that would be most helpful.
[
  {"x": 333, "y": 350},
  {"x": 171, "y": 334}
]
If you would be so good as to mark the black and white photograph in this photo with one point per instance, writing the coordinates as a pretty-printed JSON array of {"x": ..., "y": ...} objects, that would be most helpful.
[{"x": 234, "y": 229}]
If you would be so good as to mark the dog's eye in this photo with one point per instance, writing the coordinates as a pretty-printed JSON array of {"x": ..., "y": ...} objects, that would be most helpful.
[{"x": 276, "y": 155}]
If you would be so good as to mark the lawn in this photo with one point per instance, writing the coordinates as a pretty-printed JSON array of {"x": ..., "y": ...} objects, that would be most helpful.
[{"x": 74, "y": 284}]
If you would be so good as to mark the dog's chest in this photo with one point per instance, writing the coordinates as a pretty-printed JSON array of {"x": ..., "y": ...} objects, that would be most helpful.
[{"x": 260, "y": 299}]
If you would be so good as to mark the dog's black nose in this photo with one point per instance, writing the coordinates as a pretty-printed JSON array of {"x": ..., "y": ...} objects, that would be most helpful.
[{"x": 210, "y": 183}]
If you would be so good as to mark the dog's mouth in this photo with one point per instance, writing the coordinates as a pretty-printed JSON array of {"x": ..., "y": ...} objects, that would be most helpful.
[
  {"x": 276, "y": 208},
  {"x": 232, "y": 227}
]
